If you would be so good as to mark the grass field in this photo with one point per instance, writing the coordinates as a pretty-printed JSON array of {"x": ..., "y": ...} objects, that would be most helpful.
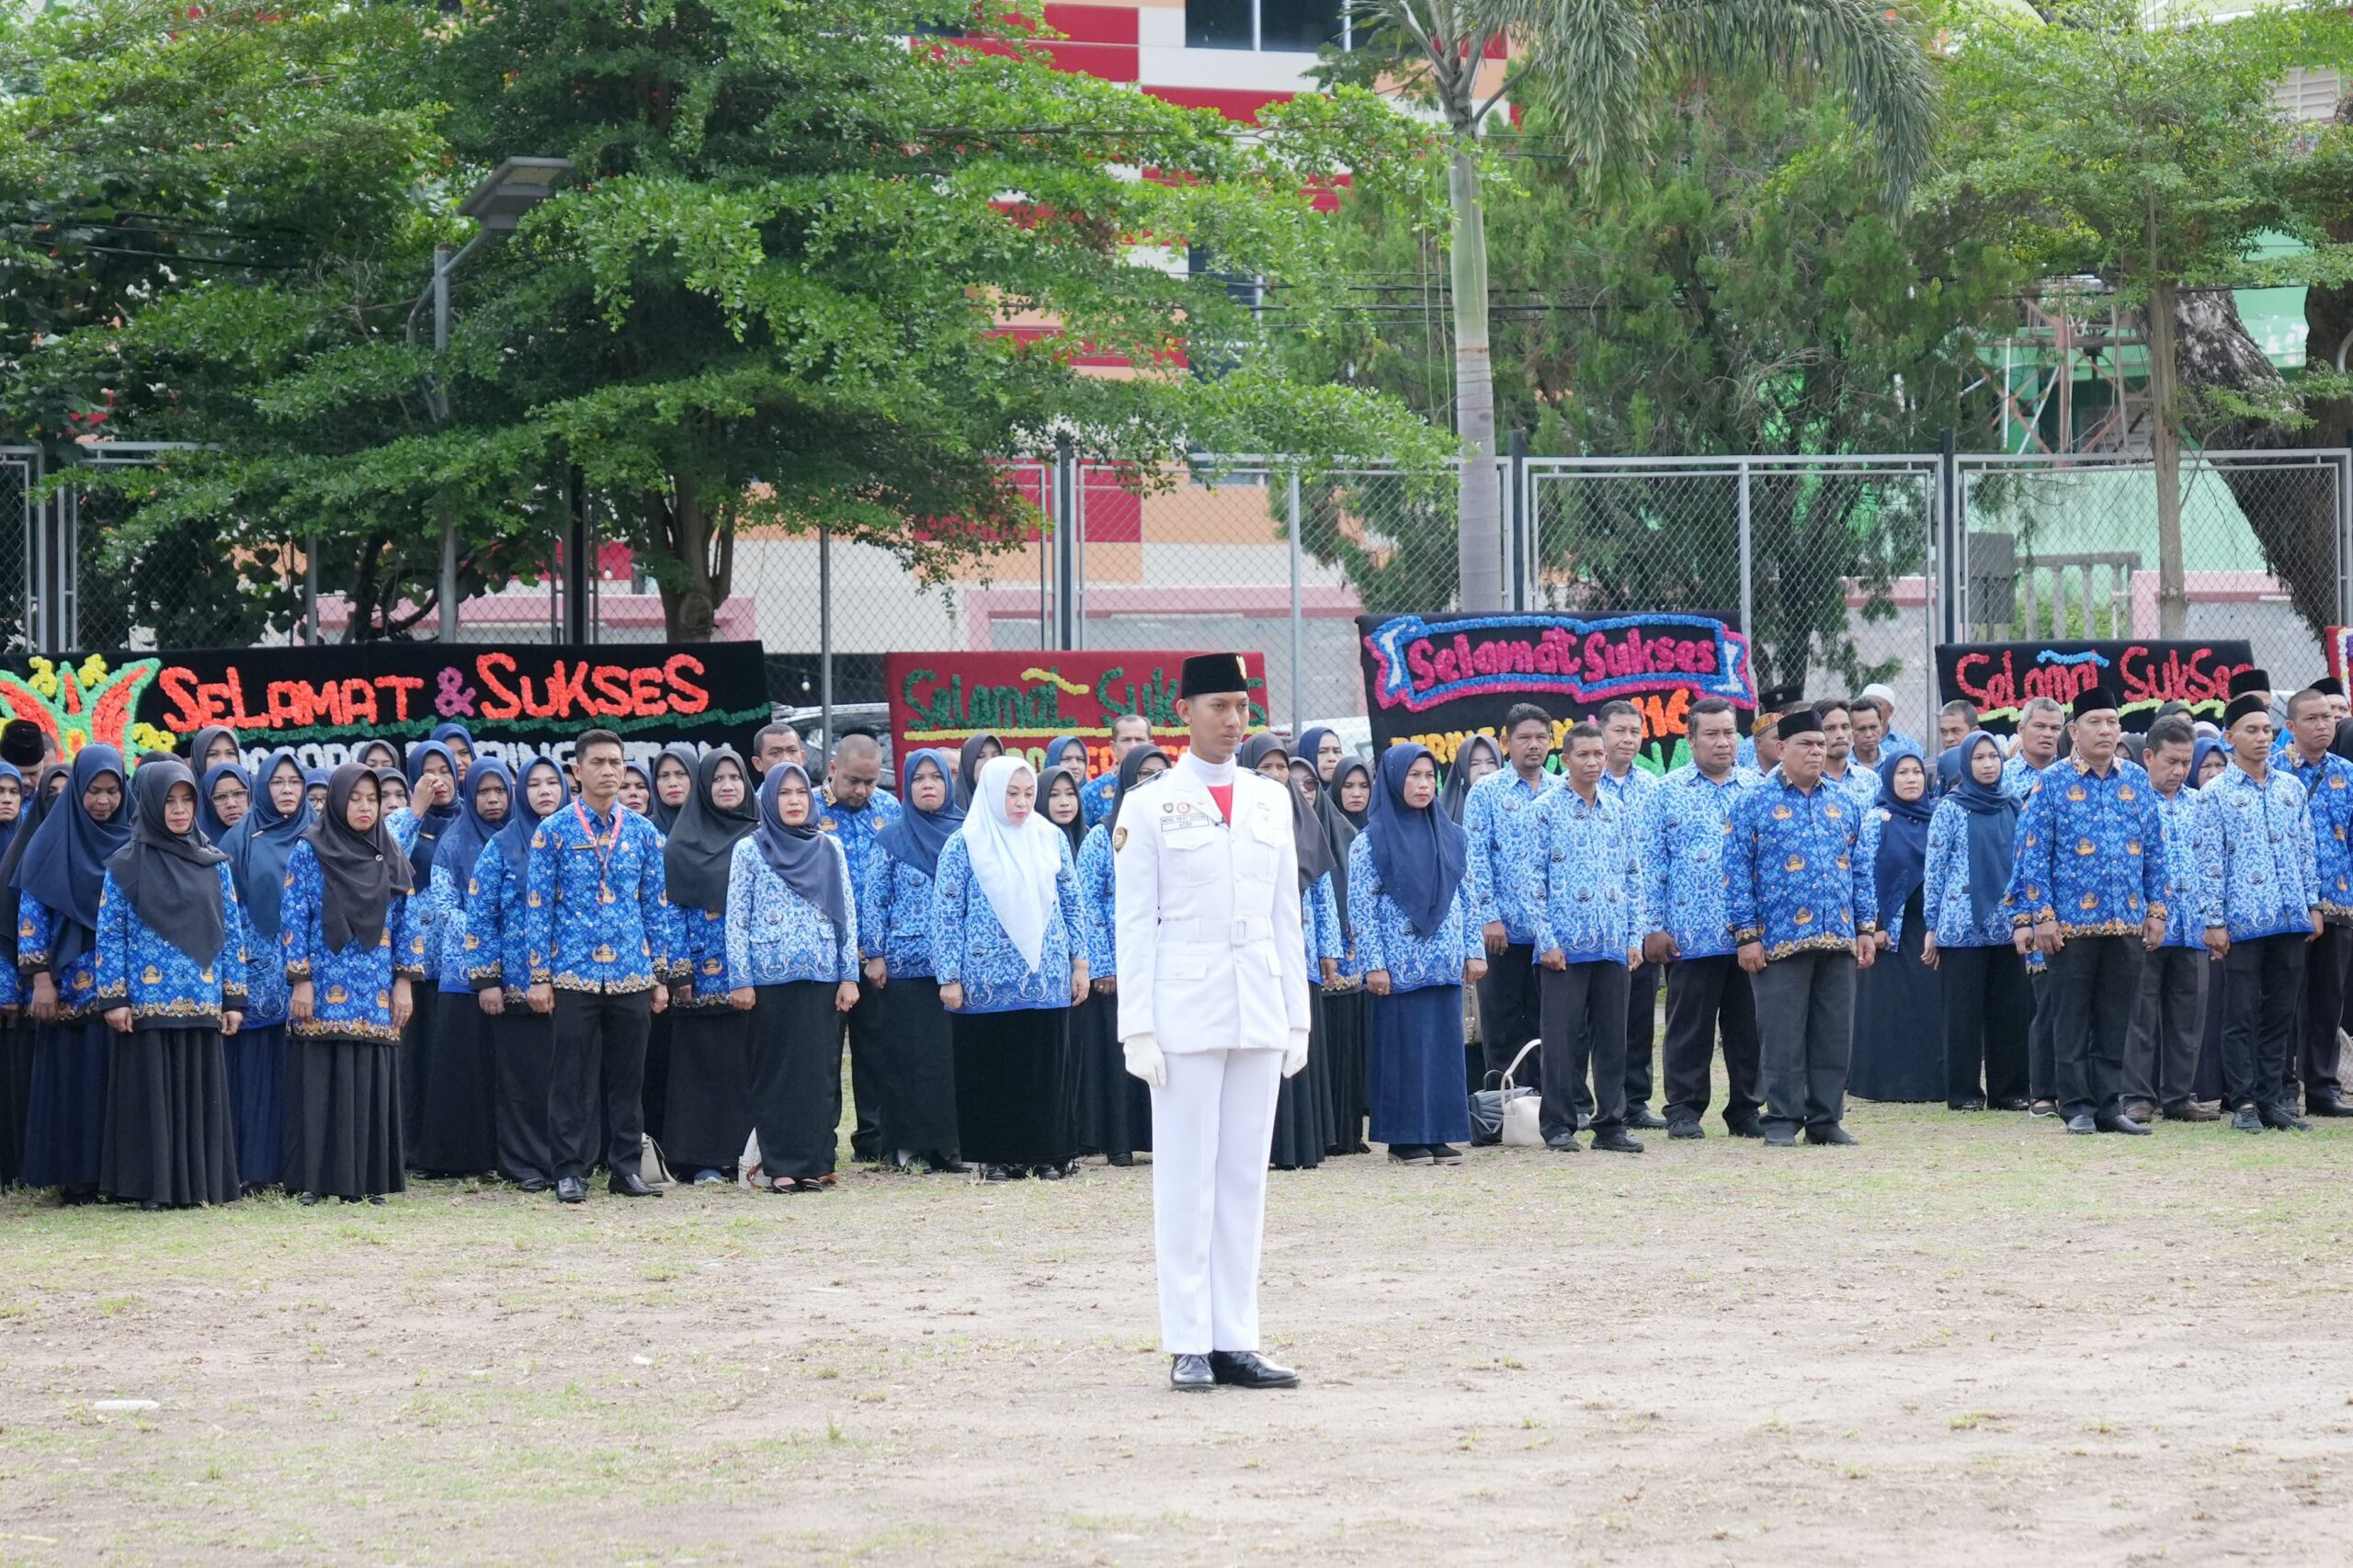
[{"x": 1973, "y": 1338}]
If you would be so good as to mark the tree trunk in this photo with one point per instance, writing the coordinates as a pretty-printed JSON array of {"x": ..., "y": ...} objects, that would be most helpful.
[
  {"x": 688, "y": 611},
  {"x": 2291, "y": 511},
  {"x": 1479, "y": 515},
  {"x": 2165, "y": 440}
]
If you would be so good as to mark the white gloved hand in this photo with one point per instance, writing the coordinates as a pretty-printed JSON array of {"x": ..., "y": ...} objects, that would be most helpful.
[
  {"x": 1145, "y": 1060},
  {"x": 1295, "y": 1053}
]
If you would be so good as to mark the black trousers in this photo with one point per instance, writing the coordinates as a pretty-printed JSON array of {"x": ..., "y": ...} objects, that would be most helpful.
[
  {"x": 1988, "y": 1012},
  {"x": 1806, "y": 1028},
  {"x": 2313, "y": 1067},
  {"x": 600, "y": 1048},
  {"x": 865, "y": 1054},
  {"x": 2042, "y": 1069},
  {"x": 2093, "y": 986},
  {"x": 2169, "y": 1028},
  {"x": 1510, "y": 1011},
  {"x": 1705, "y": 997},
  {"x": 2263, "y": 989},
  {"x": 1584, "y": 1009},
  {"x": 1641, "y": 1030}
]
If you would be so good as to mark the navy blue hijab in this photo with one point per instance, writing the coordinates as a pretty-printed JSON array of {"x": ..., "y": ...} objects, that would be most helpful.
[
  {"x": 433, "y": 824},
  {"x": 917, "y": 837},
  {"x": 259, "y": 846},
  {"x": 65, "y": 865},
  {"x": 1418, "y": 853},
  {"x": 514, "y": 840},
  {"x": 24, "y": 810},
  {"x": 207, "y": 822},
  {"x": 462, "y": 840},
  {"x": 1903, "y": 838},
  {"x": 1993, "y": 831}
]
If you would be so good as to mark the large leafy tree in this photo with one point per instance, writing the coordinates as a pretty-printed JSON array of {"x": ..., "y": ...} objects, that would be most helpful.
[
  {"x": 1601, "y": 71},
  {"x": 775, "y": 290}
]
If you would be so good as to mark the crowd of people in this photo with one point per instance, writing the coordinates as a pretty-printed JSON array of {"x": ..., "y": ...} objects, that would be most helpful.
[{"x": 224, "y": 980}]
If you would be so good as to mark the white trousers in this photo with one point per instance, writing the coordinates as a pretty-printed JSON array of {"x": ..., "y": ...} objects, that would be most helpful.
[{"x": 1213, "y": 1129}]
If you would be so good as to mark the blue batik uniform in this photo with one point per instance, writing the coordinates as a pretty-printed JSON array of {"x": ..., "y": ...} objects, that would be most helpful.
[
  {"x": 1945, "y": 904},
  {"x": 1096, "y": 797},
  {"x": 1499, "y": 822},
  {"x": 1860, "y": 782},
  {"x": 1683, "y": 860},
  {"x": 699, "y": 941},
  {"x": 2328, "y": 797},
  {"x": 1319, "y": 923},
  {"x": 1798, "y": 874},
  {"x": 598, "y": 924},
  {"x": 1097, "y": 897},
  {"x": 1582, "y": 877},
  {"x": 970, "y": 949},
  {"x": 2184, "y": 895},
  {"x": 2255, "y": 854},
  {"x": 499, "y": 960},
  {"x": 1632, "y": 794},
  {"x": 2090, "y": 852},
  {"x": 268, "y": 999},
  {"x": 2019, "y": 778},
  {"x": 894, "y": 918},
  {"x": 351, "y": 989},
  {"x": 1895, "y": 742},
  {"x": 456, "y": 948},
  {"x": 1387, "y": 941},
  {"x": 855, "y": 831},
  {"x": 164, "y": 987},
  {"x": 777, "y": 938},
  {"x": 77, "y": 984}
]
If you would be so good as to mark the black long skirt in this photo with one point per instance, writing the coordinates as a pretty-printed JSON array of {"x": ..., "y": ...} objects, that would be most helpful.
[
  {"x": 169, "y": 1134},
  {"x": 1114, "y": 1106},
  {"x": 523, "y": 1059},
  {"x": 409, "y": 1067},
  {"x": 917, "y": 1071},
  {"x": 654, "y": 1094},
  {"x": 343, "y": 1118},
  {"x": 15, "y": 1095},
  {"x": 65, "y": 1122},
  {"x": 796, "y": 1078},
  {"x": 457, "y": 1131},
  {"x": 257, "y": 1059},
  {"x": 1899, "y": 1023},
  {"x": 1343, "y": 1051},
  {"x": 1010, "y": 1104},
  {"x": 1304, "y": 1124},
  {"x": 709, "y": 1089}
]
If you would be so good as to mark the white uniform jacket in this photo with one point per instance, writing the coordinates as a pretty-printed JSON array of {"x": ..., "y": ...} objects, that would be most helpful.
[{"x": 1210, "y": 948}]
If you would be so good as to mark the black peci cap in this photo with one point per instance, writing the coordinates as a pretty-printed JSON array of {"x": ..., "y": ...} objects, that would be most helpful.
[
  {"x": 1798, "y": 721},
  {"x": 2242, "y": 706},
  {"x": 2098, "y": 700},
  {"x": 1778, "y": 699},
  {"x": 2329, "y": 686},
  {"x": 1204, "y": 673},
  {"x": 20, "y": 743},
  {"x": 2250, "y": 679}
]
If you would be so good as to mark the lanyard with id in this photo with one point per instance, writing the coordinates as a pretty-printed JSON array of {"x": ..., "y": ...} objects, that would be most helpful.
[{"x": 603, "y": 846}]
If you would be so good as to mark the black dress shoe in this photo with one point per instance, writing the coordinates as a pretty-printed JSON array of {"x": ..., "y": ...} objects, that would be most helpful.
[
  {"x": 1562, "y": 1142},
  {"x": 2119, "y": 1122},
  {"x": 570, "y": 1190},
  {"x": 2244, "y": 1119},
  {"x": 1443, "y": 1155},
  {"x": 306, "y": 1198},
  {"x": 1617, "y": 1140},
  {"x": 997, "y": 1172},
  {"x": 946, "y": 1164},
  {"x": 1779, "y": 1137},
  {"x": 1122, "y": 1161},
  {"x": 1248, "y": 1369},
  {"x": 1972, "y": 1103},
  {"x": 533, "y": 1184},
  {"x": 2011, "y": 1102},
  {"x": 1191, "y": 1374},
  {"x": 2280, "y": 1118},
  {"x": 2190, "y": 1110},
  {"x": 1048, "y": 1173},
  {"x": 2326, "y": 1104},
  {"x": 629, "y": 1184},
  {"x": 2081, "y": 1122},
  {"x": 1686, "y": 1130},
  {"x": 1752, "y": 1127},
  {"x": 1645, "y": 1118},
  {"x": 1831, "y": 1135}
]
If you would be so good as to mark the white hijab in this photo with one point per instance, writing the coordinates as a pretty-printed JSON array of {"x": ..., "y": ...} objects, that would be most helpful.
[{"x": 1017, "y": 867}]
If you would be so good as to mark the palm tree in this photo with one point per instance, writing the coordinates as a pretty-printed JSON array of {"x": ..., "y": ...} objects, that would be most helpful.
[{"x": 1597, "y": 67}]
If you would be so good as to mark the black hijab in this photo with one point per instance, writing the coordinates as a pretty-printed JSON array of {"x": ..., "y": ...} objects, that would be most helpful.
[
  {"x": 1306, "y": 831},
  {"x": 968, "y": 765},
  {"x": 65, "y": 860},
  {"x": 36, "y": 806},
  {"x": 667, "y": 817},
  {"x": 1356, "y": 821},
  {"x": 1457, "y": 792},
  {"x": 397, "y": 753},
  {"x": 168, "y": 877},
  {"x": 514, "y": 840},
  {"x": 259, "y": 846},
  {"x": 361, "y": 870},
  {"x": 917, "y": 836},
  {"x": 201, "y": 742},
  {"x": 701, "y": 845},
  {"x": 1131, "y": 775},
  {"x": 1075, "y": 829},
  {"x": 802, "y": 856}
]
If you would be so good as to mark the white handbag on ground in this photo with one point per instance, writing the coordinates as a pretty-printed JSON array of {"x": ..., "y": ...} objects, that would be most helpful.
[{"x": 1523, "y": 1125}]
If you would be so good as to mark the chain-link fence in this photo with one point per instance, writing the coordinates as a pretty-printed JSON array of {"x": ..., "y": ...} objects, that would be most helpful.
[{"x": 1843, "y": 570}]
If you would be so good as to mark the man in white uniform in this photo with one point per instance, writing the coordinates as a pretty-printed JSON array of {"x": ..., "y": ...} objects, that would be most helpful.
[{"x": 1213, "y": 1016}]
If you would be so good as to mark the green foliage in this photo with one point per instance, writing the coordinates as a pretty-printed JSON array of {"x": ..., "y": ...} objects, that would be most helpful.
[{"x": 773, "y": 291}]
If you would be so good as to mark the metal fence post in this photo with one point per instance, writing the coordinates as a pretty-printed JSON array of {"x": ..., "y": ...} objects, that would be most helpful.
[
  {"x": 311, "y": 591},
  {"x": 1298, "y": 617},
  {"x": 1521, "y": 546},
  {"x": 826, "y": 633},
  {"x": 2342, "y": 470},
  {"x": 1061, "y": 632},
  {"x": 1747, "y": 573}
]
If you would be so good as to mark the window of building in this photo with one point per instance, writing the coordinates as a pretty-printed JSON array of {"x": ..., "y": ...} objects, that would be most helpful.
[{"x": 1297, "y": 26}]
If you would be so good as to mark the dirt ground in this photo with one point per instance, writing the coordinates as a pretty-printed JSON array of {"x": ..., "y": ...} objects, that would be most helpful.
[{"x": 1972, "y": 1338}]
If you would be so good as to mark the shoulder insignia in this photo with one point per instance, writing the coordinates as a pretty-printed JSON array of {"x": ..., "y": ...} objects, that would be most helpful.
[{"x": 1118, "y": 839}]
